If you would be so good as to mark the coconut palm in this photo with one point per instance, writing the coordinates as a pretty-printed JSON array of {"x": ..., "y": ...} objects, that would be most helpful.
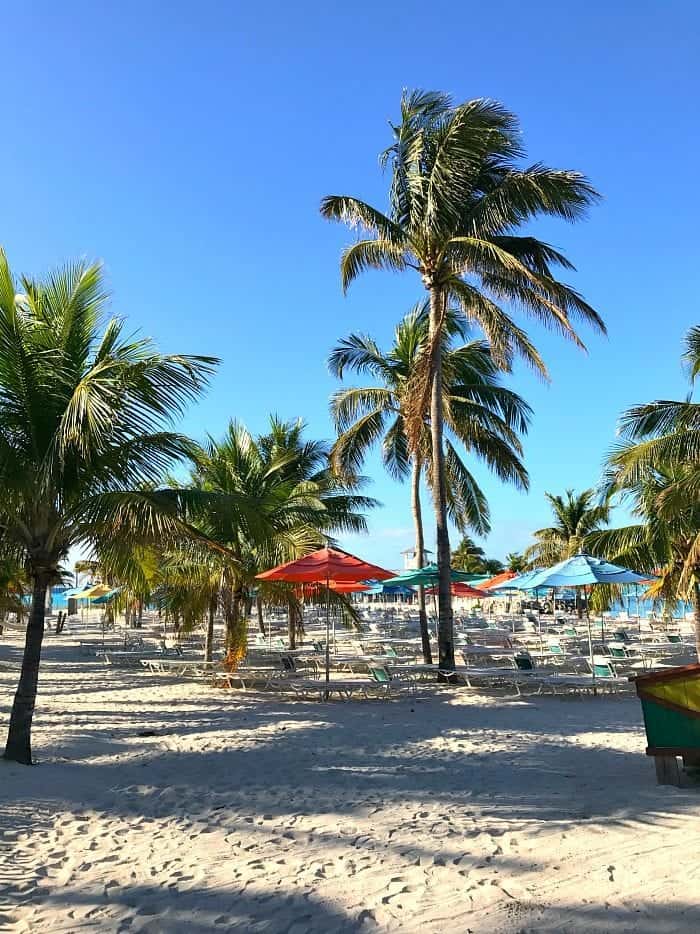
[
  {"x": 468, "y": 556},
  {"x": 576, "y": 517},
  {"x": 516, "y": 562},
  {"x": 295, "y": 503},
  {"x": 457, "y": 200},
  {"x": 85, "y": 413},
  {"x": 481, "y": 416},
  {"x": 656, "y": 469}
]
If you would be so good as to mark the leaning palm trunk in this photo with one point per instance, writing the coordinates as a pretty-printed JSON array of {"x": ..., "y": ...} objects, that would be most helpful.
[
  {"x": 446, "y": 655},
  {"x": 420, "y": 551},
  {"x": 18, "y": 747},
  {"x": 209, "y": 638},
  {"x": 261, "y": 621},
  {"x": 292, "y": 624}
]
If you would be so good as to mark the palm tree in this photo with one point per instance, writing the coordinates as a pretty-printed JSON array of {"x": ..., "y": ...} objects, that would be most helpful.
[
  {"x": 480, "y": 415},
  {"x": 577, "y": 516},
  {"x": 516, "y": 562},
  {"x": 656, "y": 469},
  {"x": 457, "y": 199},
  {"x": 468, "y": 556},
  {"x": 271, "y": 498},
  {"x": 84, "y": 419}
]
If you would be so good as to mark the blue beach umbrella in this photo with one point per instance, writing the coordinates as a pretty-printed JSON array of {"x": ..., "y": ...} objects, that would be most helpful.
[{"x": 580, "y": 571}]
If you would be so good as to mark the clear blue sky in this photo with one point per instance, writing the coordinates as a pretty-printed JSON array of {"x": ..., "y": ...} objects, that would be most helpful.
[{"x": 188, "y": 146}]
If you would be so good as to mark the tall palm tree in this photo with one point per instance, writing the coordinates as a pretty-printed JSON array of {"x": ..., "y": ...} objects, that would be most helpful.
[
  {"x": 656, "y": 468},
  {"x": 576, "y": 517},
  {"x": 272, "y": 498},
  {"x": 468, "y": 556},
  {"x": 481, "y": 416},
  {"x": 516, "y": 562},
  {"x": 457, "y": 200},
  {"x": 85, "y": 413}
]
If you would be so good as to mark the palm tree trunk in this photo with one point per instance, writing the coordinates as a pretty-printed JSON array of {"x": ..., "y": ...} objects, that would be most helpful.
[
  {"x": 420, "y": 551},
  {"x": 261, "y": 623},
  {"x": 19, "y": 737},
  {"x": 232, "y": 620},
  {"x": 209, "y": 638},
  {"x": 446, "y": 653},
  {"x": 292, "y": 629},
  {"x": 696, "y": 612}
]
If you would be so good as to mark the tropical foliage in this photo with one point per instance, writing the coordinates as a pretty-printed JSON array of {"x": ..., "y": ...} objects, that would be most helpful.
[
  {"x": 655, "y": 469},
  {"x": 85, "y": 423},
  {"x": 266, "y": 500},
  {"x": 576, "y": 517},
  {"x": 470, "y": 557},
  {"x": 482, "y": 419},
  {"x": 457, "y": 200}
]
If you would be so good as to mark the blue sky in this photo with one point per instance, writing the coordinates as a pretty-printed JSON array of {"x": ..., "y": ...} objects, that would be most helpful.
[{"x": 188, "y": 146}]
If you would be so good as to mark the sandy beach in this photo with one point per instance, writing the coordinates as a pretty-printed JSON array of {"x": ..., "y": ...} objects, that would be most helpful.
[{"x": 166, "y": 806}]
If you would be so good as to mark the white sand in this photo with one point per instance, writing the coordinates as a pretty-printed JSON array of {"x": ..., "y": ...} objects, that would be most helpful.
[{"x": 451, "y": 812}]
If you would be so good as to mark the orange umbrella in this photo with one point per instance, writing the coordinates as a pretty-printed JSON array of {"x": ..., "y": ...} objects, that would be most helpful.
[
  {"x": 498, "y": 581},
  {"x": 348, "y": 586},
  {"x": 336, "y": 587},
  {"x": 324, "y": 566}
]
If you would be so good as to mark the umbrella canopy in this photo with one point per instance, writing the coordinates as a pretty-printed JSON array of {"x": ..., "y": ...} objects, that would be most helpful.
[
  {"x": 348, "y": 586},
  {"x": 429, "y": 575},
  {"x": 493, "y": 583},
  {"x": 326, "y": 564},
  {"x": 521, "y": 581},
  {"x": 77, "y": 591},
  {"x": 92, "y": 593},
  {"x": 584, "y": 569},
  {"x": 337, "y": 587},
  {"x": 463, "y": 590},
  {"x": 106, "y": 598}
]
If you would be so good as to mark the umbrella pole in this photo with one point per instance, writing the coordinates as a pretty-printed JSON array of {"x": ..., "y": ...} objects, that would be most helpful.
[
  {"x": 590, "y": 647},
  {"x": 328, "y": 627}
]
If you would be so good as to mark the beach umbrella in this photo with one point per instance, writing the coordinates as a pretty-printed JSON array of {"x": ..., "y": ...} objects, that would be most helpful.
[
  {"x": 323, "y": 567},
  {"x": 500, "y": 580},
  {"x": 429, "y": 575},
  {"x": 463, "y": 590},
  {"x": 583, "y": 570},
  {"x": 97, "y": 590}
]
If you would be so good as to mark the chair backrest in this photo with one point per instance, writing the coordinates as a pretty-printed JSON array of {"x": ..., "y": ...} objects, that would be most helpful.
[
  {"x": 380, "y": 674},
  {"x": 617, "y": 650},
  {"x": 288, "y": 663},
  {"x": 674, "y": 637},
  {"x": 390, "y": 651},
  {"x": 555, "y": 648},
  {"x": 319, "y": 646},
  {"x": 621, "y": 635},
  {"x": 602, "y": 667},
  {"x": 523, "y": 662}
]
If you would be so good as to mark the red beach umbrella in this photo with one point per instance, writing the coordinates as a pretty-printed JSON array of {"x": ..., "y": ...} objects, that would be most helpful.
[
  {"x": 323, "y": 567},
  {"x": 463, "y": 590}
]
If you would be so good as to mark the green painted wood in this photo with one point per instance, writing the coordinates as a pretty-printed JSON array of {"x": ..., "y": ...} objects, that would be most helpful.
[{"x": 667, "y": 728}]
